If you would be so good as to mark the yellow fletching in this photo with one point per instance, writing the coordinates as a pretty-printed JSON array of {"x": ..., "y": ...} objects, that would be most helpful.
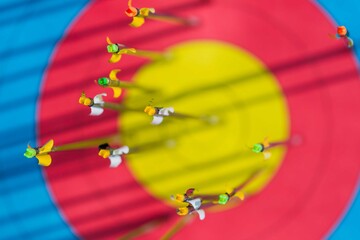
[
  {"x": 104, "y": 153},
  {"x": 179, "y": 198},
  {"x": 112, "y": 74},
  {"x": 182, "y": 211},
  {"x": 108, "y": 40},
  {"x": 87, "y": 101},
  {"x": 137, "y": 22},
  {"x": 47, "y": 147},
  {"x": 117, "y": 92},
  {"x": 115, "y": 58},
  {"x": 81, "y": 100},
  {"x": 146, "y": 11},
  {"x": 150, "y": 110},
  {"x": 44, "y": 160},
  {"x": 240, "y": 195},
  {"x": 127, "y": 50},
  {"x": 266, "y": 142}
]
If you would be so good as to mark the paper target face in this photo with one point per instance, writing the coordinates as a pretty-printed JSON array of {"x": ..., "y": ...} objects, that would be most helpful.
[{"x": 257, "y": 69}]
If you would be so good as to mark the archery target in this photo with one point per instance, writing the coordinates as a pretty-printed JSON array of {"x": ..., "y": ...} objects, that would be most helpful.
[
  {"x": 314, "y": 80},
  {"x": 293, "y": 58}
]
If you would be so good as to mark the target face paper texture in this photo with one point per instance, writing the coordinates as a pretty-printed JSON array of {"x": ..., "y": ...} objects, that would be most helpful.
[{"x": 254, "y": 104}]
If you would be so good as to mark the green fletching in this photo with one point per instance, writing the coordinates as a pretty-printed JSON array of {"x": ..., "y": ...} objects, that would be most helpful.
[
  {"x": 103, "y": 81},
  {"x": 30, "y": 153},
  {"x": 112, "y": 48},
  {"x": 258, "y": 148},
  {"x": 223, "y": 199}
]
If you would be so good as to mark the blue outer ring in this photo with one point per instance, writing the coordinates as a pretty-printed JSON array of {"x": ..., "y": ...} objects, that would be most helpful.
[
  {"x": 346, "y": 13},
  {"x": 35, "y": 27}
]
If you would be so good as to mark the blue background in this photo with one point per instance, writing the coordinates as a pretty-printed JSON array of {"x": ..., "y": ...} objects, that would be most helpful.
[{"x": 29, "y": 33}]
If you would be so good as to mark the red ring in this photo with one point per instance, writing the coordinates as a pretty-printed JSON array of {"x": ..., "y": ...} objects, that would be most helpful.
[{"x": 319, "y": 79}]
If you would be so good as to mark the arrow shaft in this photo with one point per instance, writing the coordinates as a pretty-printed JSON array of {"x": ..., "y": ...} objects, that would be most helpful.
[{"x": 172, "y": 19}]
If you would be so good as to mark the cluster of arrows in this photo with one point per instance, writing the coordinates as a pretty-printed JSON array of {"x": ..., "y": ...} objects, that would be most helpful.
[{"x": 194, "y": 203}]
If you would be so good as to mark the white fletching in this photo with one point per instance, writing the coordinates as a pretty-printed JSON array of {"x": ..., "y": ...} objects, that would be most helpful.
[
  {"x": 96, "y": 111},
  {"x": 267, "y": 154},
  {"x": 166, "y": 111},
  {"x": 201, "y": 213},
  {"x": 157, "y": 119},
  {"x": 115, "y": 158},
  {"x": 196, "y": 203},
  {"x": 121, "y": 150},
  {"x": 98, "y": 98},
  {"x": 115, "y": 161}
]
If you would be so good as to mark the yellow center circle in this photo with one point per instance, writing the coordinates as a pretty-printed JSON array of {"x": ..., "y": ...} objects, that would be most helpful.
[{"x": 230, "y": 102}]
